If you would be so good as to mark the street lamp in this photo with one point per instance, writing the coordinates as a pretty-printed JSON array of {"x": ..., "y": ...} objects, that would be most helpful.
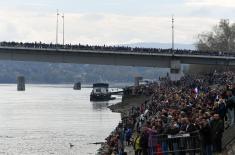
[
  {"x": 63, "y": 27},
  {"x": 57, "y": 26},
  {"x": 173, "y": 39}
]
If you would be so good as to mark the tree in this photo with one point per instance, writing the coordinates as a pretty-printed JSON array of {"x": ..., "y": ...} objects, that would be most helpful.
[{"x": 221, "y": 38}]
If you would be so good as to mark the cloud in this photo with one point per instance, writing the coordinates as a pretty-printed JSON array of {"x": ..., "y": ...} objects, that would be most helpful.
[
  {"x": 98, "y": 28},
  {"x": 217, "y": 3}
]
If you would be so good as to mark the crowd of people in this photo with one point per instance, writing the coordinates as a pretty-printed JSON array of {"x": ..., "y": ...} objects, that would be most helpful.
[
  {"x": 117, "y": 48},
  {"x": 200, "y": 105}
]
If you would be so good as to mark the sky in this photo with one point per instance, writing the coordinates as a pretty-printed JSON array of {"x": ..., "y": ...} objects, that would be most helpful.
[{"x": 110, "y": 22}]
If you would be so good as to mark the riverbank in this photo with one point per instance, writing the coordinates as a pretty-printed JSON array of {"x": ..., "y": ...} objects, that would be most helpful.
[
  {"x": 127, "y": 103},
  {"x": 122, "y": 108}
]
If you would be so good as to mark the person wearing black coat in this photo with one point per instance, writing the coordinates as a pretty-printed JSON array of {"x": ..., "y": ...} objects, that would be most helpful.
[
  {"x": 230, "y": 109},
  {"x": 144, "y": 142},
  {"x": 205, "y": 132},
  {"x": 217, "y": 129}
]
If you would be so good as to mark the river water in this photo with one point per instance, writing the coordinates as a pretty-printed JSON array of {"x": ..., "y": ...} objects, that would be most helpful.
[{"x": 45, "y": 119}]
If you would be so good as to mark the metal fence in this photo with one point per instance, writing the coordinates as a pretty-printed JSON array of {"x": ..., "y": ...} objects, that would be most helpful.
[{"x": 180, "y": 144}]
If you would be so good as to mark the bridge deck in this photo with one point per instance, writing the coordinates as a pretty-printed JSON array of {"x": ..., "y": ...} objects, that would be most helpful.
[{"x": 109, "y": 57}]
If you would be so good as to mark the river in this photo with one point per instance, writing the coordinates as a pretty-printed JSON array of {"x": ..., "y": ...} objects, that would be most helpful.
[{"x": 46, "y": 119}]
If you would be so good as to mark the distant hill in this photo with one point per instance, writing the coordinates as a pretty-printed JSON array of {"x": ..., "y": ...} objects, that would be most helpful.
[
  {"x": 162, "y": 45},
  {"x": 53, "y": 73}
]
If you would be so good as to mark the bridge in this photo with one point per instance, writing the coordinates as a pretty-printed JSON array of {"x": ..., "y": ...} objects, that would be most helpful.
[
  {"x": 104, "y": 57},
  {"x": 123, "y": 56}
]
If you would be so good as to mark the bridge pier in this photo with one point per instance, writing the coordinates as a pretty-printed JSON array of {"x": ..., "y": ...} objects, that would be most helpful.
[
  {"x": 175, "y": 70},
  {"x": 20, "y": 83},
  {"x": 77, "y": 86},
  {"x": 137, "y": 80}
]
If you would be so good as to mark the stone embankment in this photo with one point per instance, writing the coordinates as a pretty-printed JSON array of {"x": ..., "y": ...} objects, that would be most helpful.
[{"x": 123, "y": 108}]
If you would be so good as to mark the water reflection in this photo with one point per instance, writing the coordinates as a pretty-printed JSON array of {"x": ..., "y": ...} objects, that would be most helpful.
[{"x": 100, "y": 105}]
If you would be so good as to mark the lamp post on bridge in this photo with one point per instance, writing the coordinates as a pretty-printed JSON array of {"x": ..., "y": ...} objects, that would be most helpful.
[
  {"x": 173, "y": 39},
  {"x": 57, "y": 27},
  {"x": 63, "y": 27}
]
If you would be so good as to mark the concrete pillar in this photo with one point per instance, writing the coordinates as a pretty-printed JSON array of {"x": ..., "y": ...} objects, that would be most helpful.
[
  {"x": 77, "y": 86},
  {"x": 137, "y": 80},
  {"x": 175, "y": 70},
  {"x": 77, "y": 83},
  {"x": 20, "y": 83}
]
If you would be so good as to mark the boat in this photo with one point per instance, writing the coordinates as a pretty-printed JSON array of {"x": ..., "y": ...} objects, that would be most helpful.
[
  {"x": 100, "y": 92},
  {"x": 77, "y": 86}
]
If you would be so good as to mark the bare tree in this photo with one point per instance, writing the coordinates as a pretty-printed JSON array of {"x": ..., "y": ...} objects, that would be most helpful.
[{"x": 220, "y": 39}]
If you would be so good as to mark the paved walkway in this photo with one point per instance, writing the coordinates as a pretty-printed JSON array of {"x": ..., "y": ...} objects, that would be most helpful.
[
  {"x": 129, "y": 150},
  {"x": 230, "y": 150},
  {"x": 229, "y": 141}
]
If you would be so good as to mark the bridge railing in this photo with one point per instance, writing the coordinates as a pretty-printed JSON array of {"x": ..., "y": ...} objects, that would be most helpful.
[{"x": 39, "y": 45}]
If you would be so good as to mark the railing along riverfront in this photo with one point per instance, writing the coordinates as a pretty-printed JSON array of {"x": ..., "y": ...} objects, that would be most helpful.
[{"x": 187, "y": 143}]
